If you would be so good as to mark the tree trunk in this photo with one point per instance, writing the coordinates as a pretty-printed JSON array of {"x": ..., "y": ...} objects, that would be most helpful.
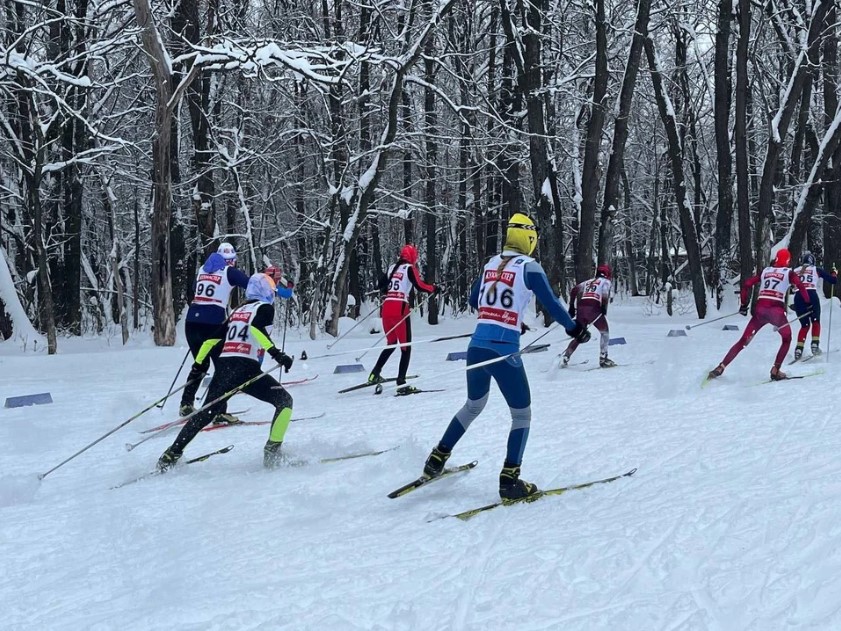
[
  {"x": 832, "y": 199},
  {"x": 779, "y": 128},
  {"x": 430, "y": 141},
  {"x": 724, "y": 216},
  {"x": 161, "y": 282},
  {"x": 687, "y": 224},
  {"x": 590, "y": 170},
  {"x": 740, "y": 133},
  {"x": 615, "y": 166}
]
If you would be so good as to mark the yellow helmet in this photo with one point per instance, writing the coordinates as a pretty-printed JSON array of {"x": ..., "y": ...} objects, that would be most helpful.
[{"x": 521, "y": 235}]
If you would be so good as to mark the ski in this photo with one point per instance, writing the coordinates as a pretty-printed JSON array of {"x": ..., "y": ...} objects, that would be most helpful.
[
  {"x": 368, "y": 385},
  {"x": 298, "y": 382},
  {"x": 181, "y": 421},
  {"x": 211, "y": 428},
  {"x": 615, "y": 365},
  {"x": 201, "y": 458},
  {"x": 364, "y": 454},
  {"x": 790, "y": 377},
  {"x": 465, "y": 515},
  {"x": 423, "y": 480},
  {"x": 416, "y": 391}
]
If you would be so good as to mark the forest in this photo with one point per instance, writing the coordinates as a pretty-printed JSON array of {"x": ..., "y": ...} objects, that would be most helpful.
[{"x": 677, "y": 142}]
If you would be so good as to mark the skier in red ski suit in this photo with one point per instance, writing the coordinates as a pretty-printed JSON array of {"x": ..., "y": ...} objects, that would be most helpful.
[
  {"x": 774, "y": 282},
  {"x": 402, "y": 277}
]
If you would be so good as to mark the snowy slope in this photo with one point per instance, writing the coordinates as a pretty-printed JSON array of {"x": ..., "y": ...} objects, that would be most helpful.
[{"x": 733, "y": 520}]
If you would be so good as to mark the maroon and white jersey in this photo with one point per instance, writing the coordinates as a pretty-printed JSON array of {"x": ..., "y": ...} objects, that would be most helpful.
[
  {"x": 399, "y": 283},
  {"x": 809, "y": 275},
  {"x": 213, "y": 288},
  {"x": 774, "y": 283},
  {"x": 503, "y": 296},
  {"x": 596, "y": 289}
]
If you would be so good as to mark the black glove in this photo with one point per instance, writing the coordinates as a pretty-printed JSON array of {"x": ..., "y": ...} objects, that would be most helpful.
[
  {"x": 604, "y": 310},
  {"x": 743, "y": 310},
  {"x": 281, "y": 358},
  {"x": 571, "y": 311},
  {"x": 579, "y": 333},
  {"x": 438, "y": 289},
  {"x": 524, "y": 328}
]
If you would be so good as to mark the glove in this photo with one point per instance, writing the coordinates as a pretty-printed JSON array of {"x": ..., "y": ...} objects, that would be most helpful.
[
  {"x": 579, "y": 333},
  {"x": 571, "y": 311},
  {"x": 283, "y": 292},
  {"x": 524, "y": 328},
  {"x": 604, "y": 310},
  {"x": 438, "y": 289},
  {"x": 281, "y": 358},
  {"x": 834, "y": 271},
  {"x": 743, "y": 310}
]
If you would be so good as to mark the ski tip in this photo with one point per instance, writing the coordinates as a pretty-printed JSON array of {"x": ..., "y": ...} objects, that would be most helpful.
[
  {"x": 129, "y": 446},
  {"x": 631, "y": 472},
  {"x": 225, "y": 450}
]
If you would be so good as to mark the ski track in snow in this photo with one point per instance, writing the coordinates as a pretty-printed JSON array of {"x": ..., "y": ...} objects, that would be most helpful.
[{"x": 733, "y": 520}]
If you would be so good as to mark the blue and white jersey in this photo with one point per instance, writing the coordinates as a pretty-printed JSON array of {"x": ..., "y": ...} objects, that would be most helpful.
[
  {"x": 503, "y": 293},
  {"x": 214, "y": 283}
]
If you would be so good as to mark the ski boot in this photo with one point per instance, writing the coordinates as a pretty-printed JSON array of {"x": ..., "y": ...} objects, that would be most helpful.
[
  {"x": 604, "y": 362},
  {"x": 374, "y": 378},
  {"x": 511, "y": 487},
  {"x": 186, "y": 409},
  {"x": 404, "y": 390},
  {"x": 565, "y": 360},
  {"x": 168, "y": 459},
  {"x": 716, "y": 372},
  {"x": 777, "y": 374},
  {"x": 816, "y": 350},
  {"x": 435, "y": 462},
  {"x": 798, "y": 353},
  {"x": 272, "y": 457},
  {"x": 223, "y": 418}
]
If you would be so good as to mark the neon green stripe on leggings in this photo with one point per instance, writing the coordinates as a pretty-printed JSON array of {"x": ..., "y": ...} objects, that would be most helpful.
[{"x": 280, "y": 424}]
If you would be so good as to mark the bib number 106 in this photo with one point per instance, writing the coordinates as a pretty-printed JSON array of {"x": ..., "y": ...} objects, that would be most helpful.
[{"x": 488, "y": 296}]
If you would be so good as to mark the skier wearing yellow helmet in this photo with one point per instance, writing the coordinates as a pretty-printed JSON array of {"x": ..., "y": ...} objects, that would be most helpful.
[{"x": 502, "y": 294}]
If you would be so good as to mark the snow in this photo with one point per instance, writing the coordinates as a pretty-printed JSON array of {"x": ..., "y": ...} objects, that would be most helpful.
[
  {"x": 733, "y": 520},
  {"x": 22, "y": 327}
]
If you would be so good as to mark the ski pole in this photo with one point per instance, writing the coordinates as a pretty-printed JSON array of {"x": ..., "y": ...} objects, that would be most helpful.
[
  {"x": 402, "y": 320},
  {"x": 228, "y": 394},
  {"x": 829, "y": 335},
  {"x": 695, "y": 326},
  {"x": 339, "y": 339},
  {"x": 104, "y": 436},
  {"x": 797, "y": 317},
  {"x": 531, "y": 348},
  {"x": 283, "y": 342},
  {"x": 170, "y": 392},
  {"x": 398, "y": 345}
]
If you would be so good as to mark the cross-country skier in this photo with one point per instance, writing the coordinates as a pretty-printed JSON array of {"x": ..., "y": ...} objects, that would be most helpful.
[
  {"x": 774, "y": 282},
  {"x": 206, "y": 317},
  {"x": 810, "y": 312},
  {"x": 501, "y": 294},
  {"x": 592, "y": 297},
  {"x": 247, "y": 339},
  {"x": 402, "y": 277}
]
